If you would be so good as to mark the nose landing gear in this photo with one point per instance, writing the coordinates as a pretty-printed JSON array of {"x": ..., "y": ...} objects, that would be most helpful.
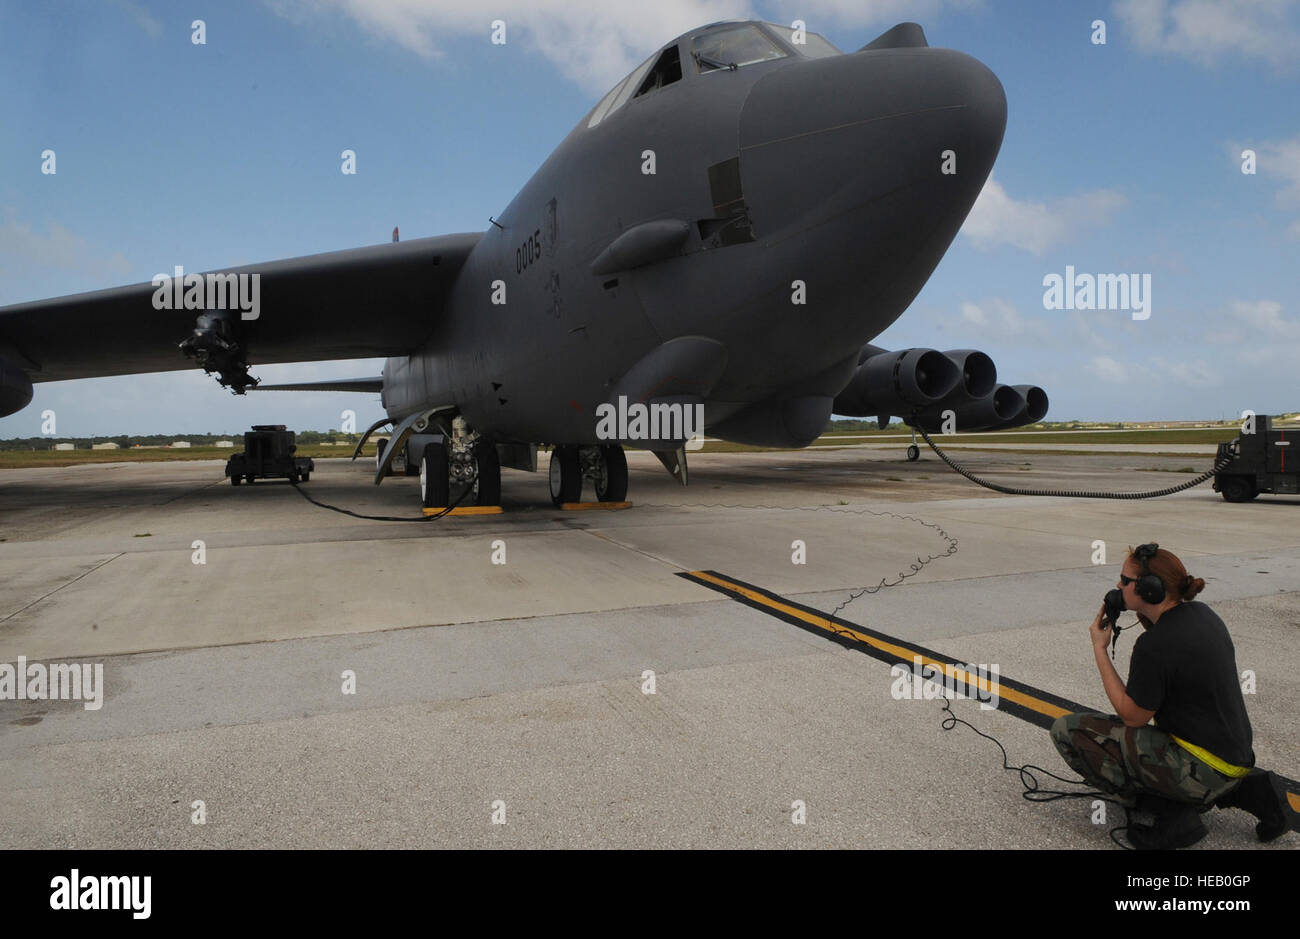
[{"x": 464, "y": 470}]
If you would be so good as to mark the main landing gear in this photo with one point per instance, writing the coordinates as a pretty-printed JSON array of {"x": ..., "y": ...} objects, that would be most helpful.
[
  {"x": 605, "y": 466},
  {"x": 913, "y": 452},
  {"x": 462, "y": 470}
]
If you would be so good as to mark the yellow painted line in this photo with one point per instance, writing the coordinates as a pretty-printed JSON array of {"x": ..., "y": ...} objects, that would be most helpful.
[
  {"x": 580, "y": 506},
  {"x": 903, "y": 652},
  {"x": 467, "y": 510}
]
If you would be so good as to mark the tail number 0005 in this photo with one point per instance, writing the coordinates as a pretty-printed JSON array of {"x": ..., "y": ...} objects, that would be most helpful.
[{"x": 529, "y": 252}]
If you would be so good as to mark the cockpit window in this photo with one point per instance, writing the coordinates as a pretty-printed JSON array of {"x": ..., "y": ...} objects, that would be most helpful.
[
  {"x": 620, "y": 95},
  {"x": 666, "y": 71},
  {"x": 813, "y": 45},
  {"x": 603, "y": 108},
  {"x": 733, "y": 48}
]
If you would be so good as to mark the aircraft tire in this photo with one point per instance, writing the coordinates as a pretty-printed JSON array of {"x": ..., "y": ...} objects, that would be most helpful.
[
  {"x": 235, "y": 480},
  {"x": 435, "y": 484},
  {"x": 566, "y": 475},
  {"x": 488, "y": 466},
  {"x": 913, "y": 453},
  {"x": 379, "y": 452},
  {"x": 615, "y": 461},
  {"x": 306, "y": 476}
]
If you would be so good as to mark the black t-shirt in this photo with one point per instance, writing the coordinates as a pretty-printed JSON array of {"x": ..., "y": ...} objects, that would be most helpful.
[{"x": 1184, "y": 668}]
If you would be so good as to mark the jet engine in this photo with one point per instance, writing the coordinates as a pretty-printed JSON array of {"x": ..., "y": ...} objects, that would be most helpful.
[
  {"x": 897, "y": 382},
  {"x": 1035, "y": 408},
  {"x": 1001, "y": 406},
  {"x": 921, "y": 386}
]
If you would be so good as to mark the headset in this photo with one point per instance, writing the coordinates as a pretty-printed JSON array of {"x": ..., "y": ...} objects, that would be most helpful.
[{"x": 1149, "y": 586}]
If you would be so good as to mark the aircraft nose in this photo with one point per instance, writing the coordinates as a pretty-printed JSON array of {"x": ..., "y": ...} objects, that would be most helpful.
[{"x": 912, "y": 132}]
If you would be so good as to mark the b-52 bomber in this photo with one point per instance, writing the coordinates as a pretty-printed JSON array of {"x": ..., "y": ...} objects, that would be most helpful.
[{"x": 712, "y": 248}]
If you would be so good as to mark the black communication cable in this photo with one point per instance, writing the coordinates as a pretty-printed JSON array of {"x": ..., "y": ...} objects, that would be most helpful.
[
  {"x": 380, "y": 518},
  {"x": 1033, "y": 792},
  {"x": 1074, "y": 493}
]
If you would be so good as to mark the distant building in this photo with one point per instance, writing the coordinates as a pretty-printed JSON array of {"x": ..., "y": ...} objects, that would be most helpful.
[
  {"x": 180, "y": 444},
  {"x": 65, "y": 446},
  {"x": 224, "y": 443},
  {"x": 106, "y": 446}
]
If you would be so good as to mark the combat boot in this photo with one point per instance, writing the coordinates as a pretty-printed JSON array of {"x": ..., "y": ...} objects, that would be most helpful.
[
  {"x": 1258, "y": 795},
  {"x": 1177, "y": 825}
]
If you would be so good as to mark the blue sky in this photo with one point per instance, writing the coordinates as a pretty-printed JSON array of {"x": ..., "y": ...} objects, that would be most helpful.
[{"x": 1123, "y": 157}]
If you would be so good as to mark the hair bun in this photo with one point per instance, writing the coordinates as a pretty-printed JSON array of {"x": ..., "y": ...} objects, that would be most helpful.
[{"x": 1192, "y": 586}]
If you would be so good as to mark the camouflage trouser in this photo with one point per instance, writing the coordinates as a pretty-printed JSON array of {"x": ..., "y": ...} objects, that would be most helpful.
[{"x": 1129, "y": 761}]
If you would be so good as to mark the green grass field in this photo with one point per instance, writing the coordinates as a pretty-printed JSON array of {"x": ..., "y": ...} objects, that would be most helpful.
[
  {"x": 10, "y": 459},
  {"x": 1191, "y": 435},
  {"x": 1025, "y": 439}
]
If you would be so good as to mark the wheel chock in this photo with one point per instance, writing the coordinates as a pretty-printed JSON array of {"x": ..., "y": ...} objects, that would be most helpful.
[{"x": 466, "y": 510}]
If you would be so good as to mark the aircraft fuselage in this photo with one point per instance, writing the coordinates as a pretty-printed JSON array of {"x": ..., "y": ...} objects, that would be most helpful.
[{"x": 834, "y": 212}]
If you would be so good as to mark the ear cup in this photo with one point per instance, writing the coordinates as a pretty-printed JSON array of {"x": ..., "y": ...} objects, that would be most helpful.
[{"x": 1149, "y": 587}]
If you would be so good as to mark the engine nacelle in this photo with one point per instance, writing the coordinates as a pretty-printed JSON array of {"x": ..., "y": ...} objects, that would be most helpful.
[
  {"x": 1035, "y": 408},
  {"x": 978, "y": 377},
  {"x": 15, "y": 389},
  {"x": 1000, "y": 407},
  {"x": 897, "y": 382}
]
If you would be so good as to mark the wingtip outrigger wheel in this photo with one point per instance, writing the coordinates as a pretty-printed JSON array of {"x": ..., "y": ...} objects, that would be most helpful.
[{"x": 913, "y": 452}]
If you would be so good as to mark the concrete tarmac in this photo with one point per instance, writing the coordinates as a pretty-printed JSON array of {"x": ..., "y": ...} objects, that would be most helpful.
[{"x": 503, "y": 704}]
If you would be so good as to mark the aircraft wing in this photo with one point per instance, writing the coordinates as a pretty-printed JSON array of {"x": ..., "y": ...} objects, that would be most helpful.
[{"x": 359, "y": 303}]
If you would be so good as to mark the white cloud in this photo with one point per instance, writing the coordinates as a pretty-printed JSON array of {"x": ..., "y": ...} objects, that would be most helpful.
[
  {"x": 1264, "y": 319},
  {"x": 995, "y": 323},
  {"x": 152, "y": 28},
  {"x": 997, "y": 317},
  {"x": 1108, "y": 370},
  {"x": 21, "y": 247},
  {"x": 817, "y": 13},
  {"x": 1194, "y": 373},
  {"x": 1279, "y": 160},
  {"x": 591, "y": 42},
  {"x": 1170, "y": 372},
  {"x": 997, "y": 218},
  {"x": 1205, "y": 31},
  {"x": 973, "y": 314}
]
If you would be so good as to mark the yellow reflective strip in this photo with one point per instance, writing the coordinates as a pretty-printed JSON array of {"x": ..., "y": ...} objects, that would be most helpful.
[
  {"x": 903, "y": 652},
  {"x": 466, "y": 510},
  {"x": 1209, "y": 759}
]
